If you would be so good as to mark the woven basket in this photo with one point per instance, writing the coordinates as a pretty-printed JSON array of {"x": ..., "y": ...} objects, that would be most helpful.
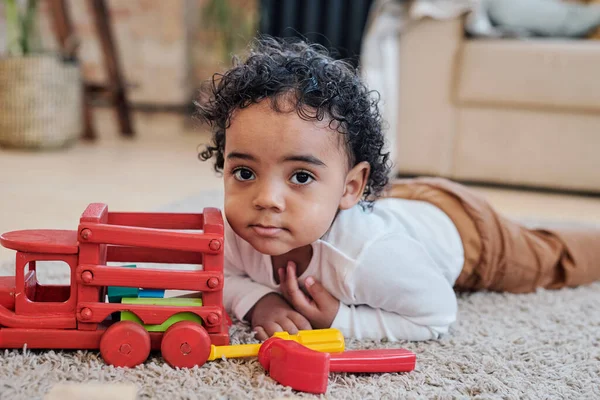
[{"x": 41, "y": 102}]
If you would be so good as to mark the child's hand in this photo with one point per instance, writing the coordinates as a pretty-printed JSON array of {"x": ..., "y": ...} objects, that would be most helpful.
[
  {"x": 320, "y": 308},
  {"x": 273, "y": 314}
]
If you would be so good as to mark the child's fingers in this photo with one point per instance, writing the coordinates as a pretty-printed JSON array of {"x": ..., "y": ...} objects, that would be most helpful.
[
  {"x": 283, "y": 284},
  {"x": 326, "y": 304},
  {"x": 271, "y": 327},
  {"x": 288, "y": 326},
  {"x": 296, "y": 296},
  {"x": 260, "y": 333},
  {"x": 291, "y": 282},
  {"x": 319, "y": 294},
  {"x": 300, "y": 321}
]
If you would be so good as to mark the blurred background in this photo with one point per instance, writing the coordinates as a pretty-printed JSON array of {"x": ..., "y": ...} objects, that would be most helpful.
[{"x": 96, "y": 97}]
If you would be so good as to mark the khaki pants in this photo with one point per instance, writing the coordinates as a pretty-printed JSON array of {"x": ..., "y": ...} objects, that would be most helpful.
[{"x": 501, "y": 255}]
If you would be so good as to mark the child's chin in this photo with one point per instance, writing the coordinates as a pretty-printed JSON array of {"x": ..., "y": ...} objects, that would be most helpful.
[{"x": 270, "y": 248}]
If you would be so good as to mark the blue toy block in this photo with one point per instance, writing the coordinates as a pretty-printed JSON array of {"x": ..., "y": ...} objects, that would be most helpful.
[
  {"x": 116, "y": 293},
  {"x": 151, "y": 293}
]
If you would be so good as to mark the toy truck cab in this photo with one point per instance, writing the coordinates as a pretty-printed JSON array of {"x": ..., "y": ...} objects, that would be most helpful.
[
  {"x": 22, "y": 297},
  {"x": 77, "y": 316}
]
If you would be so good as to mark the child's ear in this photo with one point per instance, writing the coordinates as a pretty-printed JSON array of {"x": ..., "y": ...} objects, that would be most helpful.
[{"x": 356, "y": 180}]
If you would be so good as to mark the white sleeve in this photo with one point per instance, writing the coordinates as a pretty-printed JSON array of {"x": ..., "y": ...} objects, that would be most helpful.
[
  {"x": 240, "y": 292},
  {"x": 399, "y": 294}
]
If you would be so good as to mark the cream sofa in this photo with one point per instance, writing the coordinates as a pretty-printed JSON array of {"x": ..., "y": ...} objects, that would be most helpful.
[{"x": 517, "y": 112}]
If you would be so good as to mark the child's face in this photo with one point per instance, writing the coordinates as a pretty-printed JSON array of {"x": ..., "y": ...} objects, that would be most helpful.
[{"x": 285, "y": 178}]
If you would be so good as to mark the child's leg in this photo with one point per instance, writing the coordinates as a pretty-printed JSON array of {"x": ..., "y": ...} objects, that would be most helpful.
[{"x": 501, "y": 255}]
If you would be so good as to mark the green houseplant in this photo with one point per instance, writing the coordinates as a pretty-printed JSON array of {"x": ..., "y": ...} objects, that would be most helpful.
[
  {"x": 234, "y": 22},
  {"x": 21, "y": 29},
  {"x": 41, "y": 93}
]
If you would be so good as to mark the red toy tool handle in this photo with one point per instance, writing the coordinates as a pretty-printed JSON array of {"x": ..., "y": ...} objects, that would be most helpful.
[{"x": 383, "y": 360}]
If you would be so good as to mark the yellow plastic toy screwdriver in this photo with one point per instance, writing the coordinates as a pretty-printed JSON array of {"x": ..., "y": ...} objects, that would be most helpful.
[{"x": 324, "y": 340}]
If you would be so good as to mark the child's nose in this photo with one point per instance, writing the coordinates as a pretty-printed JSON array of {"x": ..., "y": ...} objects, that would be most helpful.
[{"x": 269, "y": 196}]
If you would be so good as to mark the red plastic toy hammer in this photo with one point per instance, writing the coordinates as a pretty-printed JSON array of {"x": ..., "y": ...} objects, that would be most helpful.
[{"x": 294, "y": 365}]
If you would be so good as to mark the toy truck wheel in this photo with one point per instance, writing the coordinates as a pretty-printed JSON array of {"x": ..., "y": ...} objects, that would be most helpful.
[
  {"x": 185, "y": 344},
  {"x": 125, "y": 344}
]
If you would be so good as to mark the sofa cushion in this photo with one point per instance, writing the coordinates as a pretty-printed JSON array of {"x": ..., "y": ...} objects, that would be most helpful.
[
  {"x": 534, "y": 73},
  {"x": 528, "y": 147}
]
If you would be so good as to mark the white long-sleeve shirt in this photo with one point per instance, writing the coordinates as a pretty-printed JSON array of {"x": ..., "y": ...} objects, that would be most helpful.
[{"x": 393, "y": 270}]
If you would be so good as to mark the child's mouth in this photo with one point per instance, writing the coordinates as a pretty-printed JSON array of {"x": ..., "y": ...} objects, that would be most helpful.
[{"x": 266, "y": 231}]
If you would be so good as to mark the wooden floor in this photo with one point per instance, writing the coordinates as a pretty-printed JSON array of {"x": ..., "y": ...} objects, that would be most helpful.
[{"x": 160, "y": 166}]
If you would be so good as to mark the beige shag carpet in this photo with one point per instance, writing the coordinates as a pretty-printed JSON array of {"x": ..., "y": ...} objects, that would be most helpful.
[{"x": 544, "y": 345}]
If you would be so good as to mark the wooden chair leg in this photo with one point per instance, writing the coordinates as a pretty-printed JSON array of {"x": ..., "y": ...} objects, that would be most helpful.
[
  {"x": 89, "y": 132},
  {"x": 111, "y": 62},
  {"x": 63, "y": 29},
  {"x": 61, "y": 22}
]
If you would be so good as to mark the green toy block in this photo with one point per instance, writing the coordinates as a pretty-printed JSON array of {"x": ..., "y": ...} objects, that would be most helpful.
[
  {"x": 116, "y": 293},
  {"x": 171, "y": 301}
]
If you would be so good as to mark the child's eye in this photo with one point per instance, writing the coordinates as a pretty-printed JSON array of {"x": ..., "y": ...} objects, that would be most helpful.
[
  {"x": 243, "y": 174},
  {"x": 302, "y": 178}
]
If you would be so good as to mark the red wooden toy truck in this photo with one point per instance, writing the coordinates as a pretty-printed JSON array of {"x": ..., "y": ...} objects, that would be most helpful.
[{"x": 77, "y": 316}]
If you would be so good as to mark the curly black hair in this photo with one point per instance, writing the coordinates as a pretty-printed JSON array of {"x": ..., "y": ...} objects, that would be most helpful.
[{"x": 321, "y": 87}]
